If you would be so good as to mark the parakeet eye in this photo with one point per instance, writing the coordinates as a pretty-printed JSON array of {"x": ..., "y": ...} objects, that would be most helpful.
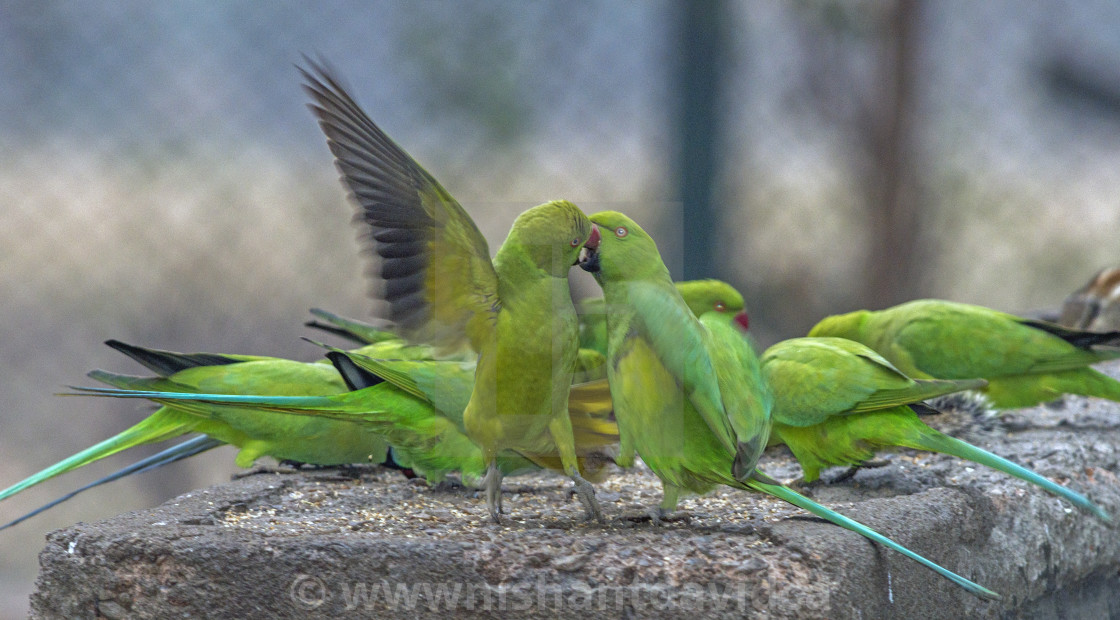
[
  {"x": 719, "y": 307},
  {"x": 621, "y": 232},
  {"x": 575, "y": 242}
]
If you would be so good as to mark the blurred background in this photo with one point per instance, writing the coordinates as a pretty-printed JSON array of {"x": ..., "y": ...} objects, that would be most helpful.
[{"x": 162, "y": 183}]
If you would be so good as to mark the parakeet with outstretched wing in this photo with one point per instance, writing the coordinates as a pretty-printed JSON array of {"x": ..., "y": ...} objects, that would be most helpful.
[{"x": 440, "y": 286}]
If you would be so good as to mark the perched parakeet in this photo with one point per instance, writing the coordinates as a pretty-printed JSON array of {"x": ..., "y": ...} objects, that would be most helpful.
[
  {"x": 688, "y": 394},
  {"x": 446, "y": 387},
  {"x": 837, "y": 402},
  {"x": 417, "y": 406},
  {"x": 256, "y": 433},
  {"x": 700, "y": 295},
  {"x": 1025, "y": 362},
  {"x": 441, "y": 287}
]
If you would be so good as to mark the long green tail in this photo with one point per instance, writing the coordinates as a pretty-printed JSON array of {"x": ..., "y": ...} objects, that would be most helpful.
[
  {"x": 404, "y": 421},
  {"x": 1031, "y": 389},
  {"x": 154, "y": 428},
  {"x": 215, "y": 399},
  {"x": 1096, "y": 383},
  {"x": 939, "y": 442},
  {"x": 179, "y": 452},
  {"x": 805, "y": 503}
]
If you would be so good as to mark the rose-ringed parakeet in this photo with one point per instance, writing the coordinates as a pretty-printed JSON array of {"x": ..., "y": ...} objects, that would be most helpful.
[
  {"x": 256, "y": 433},
  {"x": 837, "y": 402},
  {"x": 1026, "y": 362},
  {"x": 415, "y": 405},
  {"x": 441, "y": 287},
  {"x": 688, "y": 394},
  {"x": 700, "y": 295}
]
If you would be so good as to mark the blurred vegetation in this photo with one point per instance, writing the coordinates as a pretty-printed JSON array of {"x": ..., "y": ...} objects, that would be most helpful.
[{"x": 161, "y": 183}]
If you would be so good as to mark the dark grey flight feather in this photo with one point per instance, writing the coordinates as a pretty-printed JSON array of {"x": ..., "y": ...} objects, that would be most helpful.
[
  {"x": 167, "y": 363},
  {"x": 387, "y": 185}
]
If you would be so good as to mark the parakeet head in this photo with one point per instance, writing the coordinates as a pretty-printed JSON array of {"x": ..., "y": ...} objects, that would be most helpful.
[
  {"x": 848, "y": 325},
  {"x": 552, "y": 235},
  {"x": 714, "y": 296},
  {"x": 624, "y": 251}
]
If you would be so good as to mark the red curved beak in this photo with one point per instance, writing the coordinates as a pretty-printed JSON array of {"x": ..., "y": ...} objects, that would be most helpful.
[
  {"x": 743, "y": 321},
  {"x": 592, "y": 242}
]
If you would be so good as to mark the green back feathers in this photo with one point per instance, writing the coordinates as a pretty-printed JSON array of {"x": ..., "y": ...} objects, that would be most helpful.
[
  {"x": 816, "y": 378},
  {"x": 955, "y": 341}
]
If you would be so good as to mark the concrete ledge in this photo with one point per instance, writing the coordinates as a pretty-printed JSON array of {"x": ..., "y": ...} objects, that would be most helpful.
[{"x": 370, "y": 544}]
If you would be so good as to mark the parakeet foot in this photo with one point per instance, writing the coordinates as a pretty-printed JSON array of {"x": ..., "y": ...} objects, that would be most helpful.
[
  {"x": 847, "y": 474},
  {"x": 492, "y": 483},
  {"x": 586, "y": 494},
  {"x": 851, "y": 471}
]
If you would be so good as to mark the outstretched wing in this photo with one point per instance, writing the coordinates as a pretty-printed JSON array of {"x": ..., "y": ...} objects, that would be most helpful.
[{"x": 437, "y": 277}]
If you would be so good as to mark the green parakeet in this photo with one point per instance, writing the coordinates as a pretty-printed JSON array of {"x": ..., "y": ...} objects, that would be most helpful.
[
  {"x": 441, "y": 286},
  {"x": 417, "y": 406},
  {"x": 700, "y": 295},
  {"x": 688, "y": 394},
  {"x": 837, "y": 402},
  {"x": 256, "y": 433},
  {"x": 1025, "y": 362},
  {"x": 447, "y": 387}
]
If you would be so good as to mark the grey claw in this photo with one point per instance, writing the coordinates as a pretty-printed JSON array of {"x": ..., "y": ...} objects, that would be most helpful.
[
  {"x": 493, "y": 486},
  {"x": 586, "y": 494}
]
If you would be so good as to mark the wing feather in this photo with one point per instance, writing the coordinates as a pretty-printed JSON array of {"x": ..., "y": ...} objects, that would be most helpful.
[
  {"x": 436, "y": 275},
  {"x": 682, "y": 350}
]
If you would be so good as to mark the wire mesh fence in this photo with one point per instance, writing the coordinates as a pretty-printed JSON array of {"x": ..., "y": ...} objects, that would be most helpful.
[{"x": 162, "y": 184}]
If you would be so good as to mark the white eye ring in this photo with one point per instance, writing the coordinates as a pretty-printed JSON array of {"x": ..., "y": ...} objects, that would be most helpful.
[{"x": 621, "y": 232}]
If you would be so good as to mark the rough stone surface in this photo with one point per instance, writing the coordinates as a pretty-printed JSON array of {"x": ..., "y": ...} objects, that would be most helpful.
[{"x": 366, "y": 543}]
